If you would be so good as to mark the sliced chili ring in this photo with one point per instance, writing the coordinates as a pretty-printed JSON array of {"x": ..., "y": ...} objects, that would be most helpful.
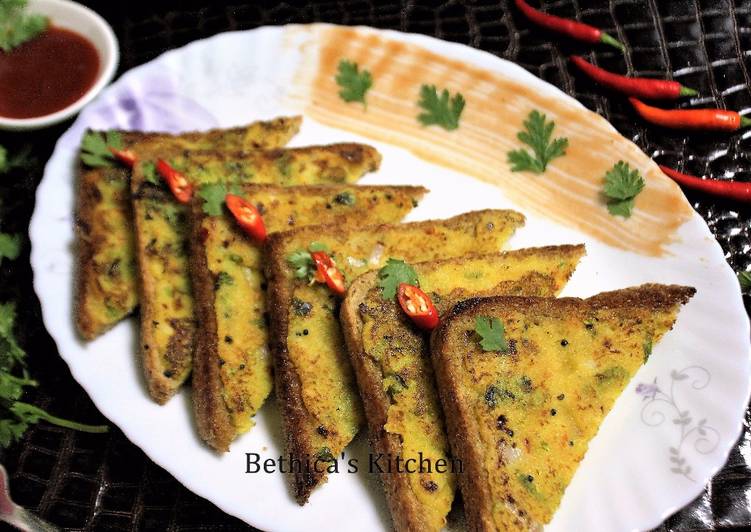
[
  {"x": 327, "y": 272},
  {"x": 177, "y": 182},
  {"x": 247, "y": 216},
  {"x": 417, "y": 305},
  {"x": 125, "y": 157}
]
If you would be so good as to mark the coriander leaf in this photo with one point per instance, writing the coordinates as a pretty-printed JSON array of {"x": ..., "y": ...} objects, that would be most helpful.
[
  {"x": 354, "y": 82},
  {"x": 16, "y": 27},
  {"x": 16, "y": 416},
  {"x": 744, "y": 278},
  {"x": 149, "y": 173},
  {"x": 10, "y": 246},
  {"x": 213, "y": 198},
  {"x": 492, "y": 334},
  {"x": 394, "y": 273},
  {"x": 440, "y": 110},
  {"x": 318, "y": 246},
  {"x": 622, "y": 185},
  {"x": 623, "y": 182},
  {"x": 302, "y": 263},
  {"x": 537, "y": 134},
  {"x": 94, "y": 148}
]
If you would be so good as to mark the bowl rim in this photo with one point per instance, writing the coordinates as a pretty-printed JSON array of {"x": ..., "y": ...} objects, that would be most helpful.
[{"x": 109, "y": 58}]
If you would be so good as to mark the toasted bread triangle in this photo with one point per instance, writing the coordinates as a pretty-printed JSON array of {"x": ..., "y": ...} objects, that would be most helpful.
[
  {"x": 231, "y": 363},
  {"x": 521, "y": 421},
  {"x": 106, "y": 281},
  {"x": 319, "y": 403},
  {"x": 167, "y": 317},
  {"x": 391, "y": 359}
]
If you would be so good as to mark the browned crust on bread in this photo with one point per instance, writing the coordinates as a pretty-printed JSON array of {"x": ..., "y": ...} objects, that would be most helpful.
[
  {"x": 211, "y": 415},
  {"x": 461, "y": 426},
  {"x": 406, "y": 511},
  {"x": 287, "y": 383},
  {"x": 85, "y": 282},
  {"x": 404, "y": 507}
]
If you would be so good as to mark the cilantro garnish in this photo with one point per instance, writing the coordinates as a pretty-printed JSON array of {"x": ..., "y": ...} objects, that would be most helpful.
[
  {"x": 94, "y": 146},
  {"x": 537, "y": 134},
  {"x": 16, "y": 27},
  {"x": 394, "y": 273},
  {"x": 301, "y": 261},
  {"x": 622, "y": 184},
  {"x": 354, "y": 82},
  {"x": 149, "y": 173},
  {"x": 492, "y": 334},
  {"x": 10, "y": 246},
  {"x": 440, "y": 110},
  {"x": 15, "y": 415},
  {"x": 744, "y": 278},
  {"x": 213, "y": 197}
]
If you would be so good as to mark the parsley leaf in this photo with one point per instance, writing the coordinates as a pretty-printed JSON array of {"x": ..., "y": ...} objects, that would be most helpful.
[
  {"x": 94, "y": 146},
  {"x": 393, "y": 273},
  {"x": 10, "y": 246},
  {"x": 15, "y": 415},
  {"x": 537, "y": 134},
  {"x": 16, "y": 27},
  {"x": 744, "y": 278},
  {"x": 213, "y": 197},
  {"x": 440, "y": 110},
  {"x": 622, "y": 185},
  {"x": 354, "y": 82},
  {"x": 492, "y": 334}
]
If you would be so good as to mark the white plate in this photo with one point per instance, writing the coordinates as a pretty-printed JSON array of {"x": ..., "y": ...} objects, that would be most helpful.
[{"x": 641, "y": 467}]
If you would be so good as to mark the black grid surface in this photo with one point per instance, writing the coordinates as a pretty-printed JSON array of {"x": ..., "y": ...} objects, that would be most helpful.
[{"x": 103, "y": 482}]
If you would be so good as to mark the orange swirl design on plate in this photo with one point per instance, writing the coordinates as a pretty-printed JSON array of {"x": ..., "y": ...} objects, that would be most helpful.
[{"x": 568, "y": 192}]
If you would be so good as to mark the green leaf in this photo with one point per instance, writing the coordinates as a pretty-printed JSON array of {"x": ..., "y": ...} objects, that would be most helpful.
[
  {"x": 354, "y": 83},
  {"x": 149, "y": 173},
  {"x": 537, "y": 135},
  {"x": 318, "y": 246},
  {"x": 492, "y": 334},
  {"x": 10, "y": 246},
  {"x": 302, "y": 263},
  {"x": 622, "y": 182},
  {"x": 744, "y": 278},
  {"x": 622, "y": 185},
  {"x": 94, "y": 151},
  {"x": 442, "y": 110},
  {"x": 213, "y": 198},
  {"x": 16, "y": 27},
  {"x": 393, "y": 274}
]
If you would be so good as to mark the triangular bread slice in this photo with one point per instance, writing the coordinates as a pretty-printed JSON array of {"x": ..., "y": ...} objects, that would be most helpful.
[
  {"x": 520, "y": 421},
  {"x": 315, "y": 386},
  {"x": 391, "y": 359},
  {"x": 167, "y": 319},
  {"x": 231, "y": 362},
  {"x": 106, "y": 280}
]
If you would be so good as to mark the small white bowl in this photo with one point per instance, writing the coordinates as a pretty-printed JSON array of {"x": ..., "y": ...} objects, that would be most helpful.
[{"x": 84, "y": 21}]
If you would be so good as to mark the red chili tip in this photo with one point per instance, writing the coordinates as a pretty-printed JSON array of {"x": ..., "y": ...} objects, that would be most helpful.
[{"x": 612, "y": 41}]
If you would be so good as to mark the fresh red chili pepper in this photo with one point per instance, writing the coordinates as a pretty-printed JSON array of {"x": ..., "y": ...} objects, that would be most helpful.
[
  {"x": 247, "y": 216},
  {"x": 178, "y": 184},
  {"x": 417, "y": 305},
  {"x": 572, "y": 28},
  {"x": 653, "y": 89},
  {"x": 327, "y": 272},
  {"x": 708, "y": 119},
  {"x": 736, "y": 190},
  {"x": 126, "y": 157}
]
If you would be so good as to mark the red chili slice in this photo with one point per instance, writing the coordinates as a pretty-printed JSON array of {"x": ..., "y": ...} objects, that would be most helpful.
[
  {"x": 327, "y": 272},
  {"x": 177, "y": 182},
  {"x": 247, "y": 216},
  {"x": 417, "y": 305},
  {"x": 125, "y": 157}
]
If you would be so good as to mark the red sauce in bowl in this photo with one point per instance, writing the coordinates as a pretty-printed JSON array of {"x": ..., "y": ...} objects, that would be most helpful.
[{"x": 46, "y": 74}]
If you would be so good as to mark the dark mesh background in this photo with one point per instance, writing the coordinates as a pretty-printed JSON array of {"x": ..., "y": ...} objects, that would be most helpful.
[{"x": 97, "y": 482}]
